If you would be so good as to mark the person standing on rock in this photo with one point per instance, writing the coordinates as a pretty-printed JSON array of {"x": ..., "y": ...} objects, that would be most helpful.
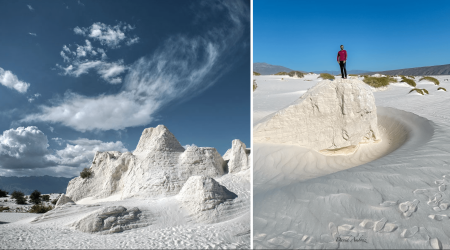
[{"x": 342, "y": 59}]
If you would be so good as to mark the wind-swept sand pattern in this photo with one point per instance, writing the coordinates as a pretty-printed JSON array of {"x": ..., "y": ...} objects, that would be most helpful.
[{"x": 388, "y": 195}]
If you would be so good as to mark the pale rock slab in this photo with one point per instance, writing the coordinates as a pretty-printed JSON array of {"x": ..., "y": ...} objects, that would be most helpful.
[
  {"x": 333, "y": 117},
  {"x": 109, "y": 220},
  {"x": 238, "y": 157},
  {"x": 63, "y": 199},
  {"x": 158, "y": 167}
]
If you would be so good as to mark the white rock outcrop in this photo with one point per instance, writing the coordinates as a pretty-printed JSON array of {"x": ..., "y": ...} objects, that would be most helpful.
[
  {"x": 158, "y": 167},
  {"x": 109, "y": 220},
  {"x": 238, "y": 157},
  {"x": 63, "y": 199},
  {"x": 202, "y": 193},
  {"x": 333, "y": 117}
]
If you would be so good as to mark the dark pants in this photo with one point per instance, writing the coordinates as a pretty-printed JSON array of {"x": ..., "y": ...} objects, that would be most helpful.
[{"x": 343, "y": 70}]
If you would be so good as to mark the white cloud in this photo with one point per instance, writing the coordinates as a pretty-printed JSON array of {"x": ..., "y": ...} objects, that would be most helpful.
[
  {"x": 32, "y": 34},
  {"x": 182, "y": 68},
  {"x": 111, "y": 36},
  {"x": 24, "y": 148},
  {"x": 108, "y": 71},
  {"x": 30, "y": 7},
  {"x": 25, "y": 151},
  {"x": 8, "y": 79},
  {"x": 33, "y": 97}
]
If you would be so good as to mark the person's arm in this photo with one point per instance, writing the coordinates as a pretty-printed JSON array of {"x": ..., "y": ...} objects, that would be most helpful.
[
  {"x": 345, "y": 57},
  {"x": 338, "y": 57}
]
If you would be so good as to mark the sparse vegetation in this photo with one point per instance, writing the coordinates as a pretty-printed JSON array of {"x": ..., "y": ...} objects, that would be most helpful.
[
  {"x": 420, "y": 91},
  {"x": 281, "y": 73},
  {"x": 431, "y": 79},
  {"x": 86, "y": 173},
  {"x": 256, "y": 73},
  {"x": 326, "y": 76},
  {"x": 35, "y": 197},
  {"x": 3, "y": 208},
  {"x": 353, "y": 75},
  {"x": 254, "y": 85},
  {"x": 442, "y": 89},
  {"x": 38, "y": 208},
  {"x": 298, "y": 73},
  {"x": 3, "y": 193},
  {"x": 46, "y": 197},
  {"x": 378, "y": 82},
  {"x": 54, "y": 201},
  {"x": 408, "y": 81},
  {"x": 19, "y": 196}
]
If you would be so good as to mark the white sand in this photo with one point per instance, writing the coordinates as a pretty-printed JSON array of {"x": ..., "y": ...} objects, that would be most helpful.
[
  {"x": 304, "y": 199},
  {"x": 169, "y": 226}
]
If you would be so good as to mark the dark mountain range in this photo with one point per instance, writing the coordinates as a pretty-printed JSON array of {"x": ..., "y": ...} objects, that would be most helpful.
[
  {"x": 45, "y": 184},
  {"x": 268, "y": 69},
  {"x": 419, "y": 71}
]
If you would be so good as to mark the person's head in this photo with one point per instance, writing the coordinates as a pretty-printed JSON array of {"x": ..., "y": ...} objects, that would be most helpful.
[{"x": 342, "y": 47}]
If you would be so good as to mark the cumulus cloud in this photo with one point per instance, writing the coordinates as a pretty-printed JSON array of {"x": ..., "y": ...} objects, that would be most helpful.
[
  {"x": 181, "y": 68},
  {"x": 111, "y": 36},
  {"x": 32, "y": 34},
  {"x": 108, "y": 71},
  {"x": 8, "y": 79},
  {"x": 26, "y": 150},
  {"x": 33, "y": 97}
]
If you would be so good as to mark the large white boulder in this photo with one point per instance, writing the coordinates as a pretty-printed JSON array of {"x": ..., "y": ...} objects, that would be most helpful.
[
  {"x": 333, "y": 116},
  {"x": 158, "y": 167},
  {"x": 202, "y": 193},
  {"x": 238, "y": 157}
]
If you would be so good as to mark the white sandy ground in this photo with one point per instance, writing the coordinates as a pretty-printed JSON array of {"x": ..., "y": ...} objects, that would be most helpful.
[
  {"x": 168, "y": 226},
  {"x": 303, "y": 199}
]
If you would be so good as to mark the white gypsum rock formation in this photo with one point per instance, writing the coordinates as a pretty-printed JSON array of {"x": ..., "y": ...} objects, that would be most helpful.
[
  {"x": 158, "y": 167},
  {"x": 238, "y": 157},
  {"x": 202, "y": 193},
  {"x": 63, "y": 199},
  {"x": 109, "y": 220},
  {"x": 331, "y": 117}
]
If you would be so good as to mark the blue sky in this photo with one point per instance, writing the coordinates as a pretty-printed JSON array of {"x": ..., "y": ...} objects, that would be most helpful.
[
  {"x": 81, "y": 76},
  {"x": 378, "y": 35}
]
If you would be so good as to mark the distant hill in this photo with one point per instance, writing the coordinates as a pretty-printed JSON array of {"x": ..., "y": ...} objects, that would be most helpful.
[
  {"x": 45, "y": 184},
  {"x": 335, "y": 72},
  {"x": 420, "y": 71},
  {"x": 269, "y": 69}
]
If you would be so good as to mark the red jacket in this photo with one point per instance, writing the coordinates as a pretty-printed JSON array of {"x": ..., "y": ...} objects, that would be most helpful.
[{"x": 343, "y": 55}]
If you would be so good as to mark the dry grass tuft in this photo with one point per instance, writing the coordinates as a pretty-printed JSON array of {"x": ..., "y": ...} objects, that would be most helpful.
[
  {"x": 431, "y": 79},
  {"x": 378, "y": 82},
  {"x": 442, "y": 89},
  {"x": 256, "y": 73},
  {"x": 254, "y": 85},
  {"x": 281, "y": 73},
  {"x": 299, "y": 74},
  {"x": 420, "y": 91},
  {"x": 408, "y": 81},
  {"x": 326, "y": 76}
]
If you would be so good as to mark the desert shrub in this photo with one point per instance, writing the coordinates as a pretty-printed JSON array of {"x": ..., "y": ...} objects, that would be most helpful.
[
  {"x": 54, "y": 201},
  {"x": 38, "y": 208},
  {"x": 3, "y": 208},
  {"x": 19, "y": 196},
  {"x": 86, "y": 173},
  {"x": 326, "y": 76},
  {"x": 299, "y": 74},
  {"x": 281, "y": 73},
  {"x": 46, "y": 197},
  {"x": 442, "y": 88},
  {"x": 420, "y": 91},
  {"x": 35, "y": 197},
  {"x": 412, "y": 77},
  {"x": 256, "y": 73},
  {"x": 408, "y": 81},
  {"x": 3, "y": 193},
  {"x": 378, "y": 82},
  {"x": 254, "y": 85},
  {"x": 431, "y": 79},
  {"x": 352, "y": 75},
  {"x": 425, "y": 91}
]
